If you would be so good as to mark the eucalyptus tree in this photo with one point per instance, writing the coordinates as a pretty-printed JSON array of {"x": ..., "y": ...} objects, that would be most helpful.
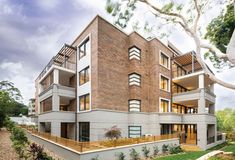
[{"x": 184, "y": 14}]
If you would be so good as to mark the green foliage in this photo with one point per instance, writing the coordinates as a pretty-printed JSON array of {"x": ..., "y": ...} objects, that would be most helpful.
[
  {"x": 155, "y": 150},
  {"x": 168, "y": 7},
  {"x": 146, "y": 151},
  {"x": 113, "y": 133},
  {"x": 174, "y": 149},
  {"x": 19, "y": 135},
  {"x": 120, "y": 156},
  {"x": 219, "y": 32},
  {"x": 225, "y": 120},
  {"x": 134, "y": 155},
  {"x": 123, "y": 15},
  {"x": 220, "y": 29},
  {"x": 9, "y": 97},
  {"x": 165, "y": 148},
  {"x": 9, "y": 124},
  {"x": 19, "y": 148}
]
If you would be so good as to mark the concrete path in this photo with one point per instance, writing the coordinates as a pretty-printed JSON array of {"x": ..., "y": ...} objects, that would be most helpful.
[{"x": 211, "y": 154}]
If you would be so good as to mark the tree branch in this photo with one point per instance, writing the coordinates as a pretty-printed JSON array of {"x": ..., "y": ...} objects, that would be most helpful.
[
  {"x": 197, "y": 17},
  {"x": 217, "y": 52}
]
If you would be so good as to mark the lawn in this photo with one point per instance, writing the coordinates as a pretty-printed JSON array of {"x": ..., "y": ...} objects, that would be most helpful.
[
  {"x": 195, "y": 155},
  {"x": 184, "y": 156}
]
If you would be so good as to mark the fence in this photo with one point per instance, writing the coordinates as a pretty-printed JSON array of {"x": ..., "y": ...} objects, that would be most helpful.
[{"x": 96, "y": 145}]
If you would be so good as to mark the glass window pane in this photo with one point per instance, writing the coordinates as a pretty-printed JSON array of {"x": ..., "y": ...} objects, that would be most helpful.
[
  {"x": 87, "y": 102},
  {"x": 81, "y": 103}
]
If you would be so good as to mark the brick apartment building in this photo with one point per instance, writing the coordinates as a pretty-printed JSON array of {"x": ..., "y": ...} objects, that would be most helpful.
[{"x": 107, "y": 77}]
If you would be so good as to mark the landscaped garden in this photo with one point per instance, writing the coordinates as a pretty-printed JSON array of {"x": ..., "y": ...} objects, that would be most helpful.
[{"x": 227, "y": 147}]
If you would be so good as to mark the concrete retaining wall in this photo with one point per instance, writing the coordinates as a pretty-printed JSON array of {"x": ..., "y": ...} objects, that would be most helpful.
[{"x": 104, "y": 154}]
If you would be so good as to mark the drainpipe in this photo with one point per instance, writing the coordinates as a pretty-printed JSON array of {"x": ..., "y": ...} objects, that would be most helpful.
[{"x": 76, "y": 110}]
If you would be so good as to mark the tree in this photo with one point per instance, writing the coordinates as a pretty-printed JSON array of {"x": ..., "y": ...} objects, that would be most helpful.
[
  {"x": 9, "y": 95},
  {"x": 219, "y": 32},
  {"x": 186, "y": 16},
  {"x": 220, "y": 29},
  {"x": 225, "y": 120}
]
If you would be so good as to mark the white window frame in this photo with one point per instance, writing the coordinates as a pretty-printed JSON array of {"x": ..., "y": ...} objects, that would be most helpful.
[
  {"x": 169, "y": 65},
  {"x": 169, "y": 105},
  {"x": 134, "y": 53},
  {"x": 169, "y": 82},
  {"x": 136, "y": 79},
  {"x": 136, "y": 106},
  {"x": 137, "y": 135}
]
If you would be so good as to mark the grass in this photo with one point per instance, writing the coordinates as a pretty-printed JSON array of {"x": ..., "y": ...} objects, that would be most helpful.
[
  {"x": 184, "y": 156},
  {"x": 230, "y": 148},
  {"x": 197, "y": 154}
]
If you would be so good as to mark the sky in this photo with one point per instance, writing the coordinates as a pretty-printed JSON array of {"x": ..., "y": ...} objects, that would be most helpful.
[{"x": 32, "y": 32}]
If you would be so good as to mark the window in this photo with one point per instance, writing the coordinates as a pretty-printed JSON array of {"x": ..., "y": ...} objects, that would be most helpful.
[
  {"x": 84, "y": 76},
  {"x": 164, "y": 83},
  {"x": 134, "y": 79},
  {"x": 84, "y": 102},
  {"x": 164, "y": 60},
  {"x": 134, "y": 53},
  {"x": 84, "y": 48},
  {"x": 164, "y": 105},
  {"x": 134, "y": 105},
  {"x": 134, "y": 131}
]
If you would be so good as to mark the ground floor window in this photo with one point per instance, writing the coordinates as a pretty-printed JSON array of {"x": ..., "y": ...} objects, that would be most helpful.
[
  {"x": 84, "y": 131},
  {"x": 134, "y": 131}
]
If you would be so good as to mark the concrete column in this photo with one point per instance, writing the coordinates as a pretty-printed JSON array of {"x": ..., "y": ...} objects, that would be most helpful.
[
  {"x": 55, "y": 99},
  {"x": 56, "y": 76},
  {"x": 56, "y": 128},
  {"x": 201, "y": 102},
  {"x": 202, "y": 135},
  {"x": 201, "y": 81}
]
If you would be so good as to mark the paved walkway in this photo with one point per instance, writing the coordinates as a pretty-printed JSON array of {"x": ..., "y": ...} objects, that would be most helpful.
[{"x": 6, "y": 151}]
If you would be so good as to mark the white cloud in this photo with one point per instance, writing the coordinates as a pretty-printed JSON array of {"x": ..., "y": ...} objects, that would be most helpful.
[
  {"x": 47, "y": 4},
  {"x": 20, "y": 76}
]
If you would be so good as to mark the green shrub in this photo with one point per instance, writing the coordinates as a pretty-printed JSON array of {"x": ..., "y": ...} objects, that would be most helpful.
[
  {"x": 18, "y": 134},
  {"x": 146, "y": 151},
  {"x": 165, "y": 148},
  {"x": 134, "y": 155},
  {"x": 19, "y": 148},
  {"x": 120, "y": 156},
  {"x": 9, "y": 124},
  {"x": 155, "y": 150},
  {"x": 174, "y": 149}
]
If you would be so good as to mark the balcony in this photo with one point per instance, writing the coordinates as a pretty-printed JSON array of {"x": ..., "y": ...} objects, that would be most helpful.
[
  {"x": 64, "y": 60},
  {"x": 56, "y": 89},
  {"x": 185, "y": 97}
]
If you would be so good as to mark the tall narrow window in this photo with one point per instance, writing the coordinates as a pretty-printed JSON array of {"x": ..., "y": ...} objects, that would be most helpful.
[
  {"x": 164, "y": 105},
  {"x": 84, "y": 102},
  {"x": 134, "y": 53},
  {"x": 84, "y": 76},
  {"x": 134, "y": 79},
  {"x": 134, "y": 105},
  {"x": 134, "y": 131},
  {"x": 164, "y": 60},
  {"x": 164, "y": 83},
  {"x": 84, "y": 48}
]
